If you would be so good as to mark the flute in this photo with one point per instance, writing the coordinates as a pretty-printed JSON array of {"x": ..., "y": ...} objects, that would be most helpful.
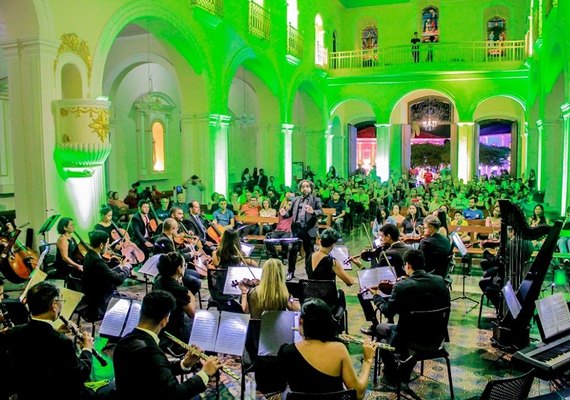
[
  {"x": 79, "y": 336},
  {"x": 198, "y": 353},
  {"x": 358, "y": 340}
]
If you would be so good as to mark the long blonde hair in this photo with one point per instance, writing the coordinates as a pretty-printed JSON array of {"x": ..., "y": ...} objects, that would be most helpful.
[{"x": 272, "y": 291}]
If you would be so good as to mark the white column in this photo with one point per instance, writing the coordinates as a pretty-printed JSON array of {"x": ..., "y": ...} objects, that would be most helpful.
[
  {"x": 383, "y": 132},
  {"x": 465, "y": 148},
  {"x": 30, "y": 66},
  {"x": 540, "y": 128},
  {"x": 195, "y": 150},
  {"x": 329, "y": 147},
  {"x": 219, "y": 133},
  {"x": 287, "y": 131},
  {"x": 565, "y": 154}
]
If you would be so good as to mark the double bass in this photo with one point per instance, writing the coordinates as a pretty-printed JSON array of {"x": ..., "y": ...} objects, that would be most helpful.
[
  {"x": 17, "y": 261},
  {"x": 130, "y": 251}
]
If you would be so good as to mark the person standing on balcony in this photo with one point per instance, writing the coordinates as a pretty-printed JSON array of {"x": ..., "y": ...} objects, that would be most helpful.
[
  {"x": 415, "y": 48},
  {"x": 430, "y": 49}
]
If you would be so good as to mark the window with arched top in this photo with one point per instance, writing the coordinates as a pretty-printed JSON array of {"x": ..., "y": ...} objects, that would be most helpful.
[
  {"x": 370, "y": 38},
  {"x": 430, "y": 24},
  {"x": 157, "y": 146},
  {"x": 497, "y": 29},
  {"x": 292, "y": 13},
  {"x": 320, "y": 50}
]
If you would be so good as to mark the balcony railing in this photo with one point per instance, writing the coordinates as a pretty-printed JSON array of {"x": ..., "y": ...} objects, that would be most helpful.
[
  {"x": 321, "y": 55},
  {"x": 475, "y": 52},
  {"x": 294, "y": 42},
  {"x": 215, "y": 7},
  {"x": 259, "y": 21}
]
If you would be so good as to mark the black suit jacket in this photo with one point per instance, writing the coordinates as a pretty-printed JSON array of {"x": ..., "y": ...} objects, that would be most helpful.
[
  {"x": 43, "y": 363},
  {"x": 195, "y": 227},
  {"x": 396, "y": 256},
  {"x": 436, "y": 250},
  {"x": 99, "y": 283},
  {"x": 311, "y": 222},
  {"x": 142, "y": 371},
  {"x": 138, "y": 227},
  {"x": 419, "y": 292}
]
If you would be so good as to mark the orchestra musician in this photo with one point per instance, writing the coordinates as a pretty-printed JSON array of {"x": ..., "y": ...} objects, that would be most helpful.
[
  {"x": 229, "y": 251},
  {"x": 141, "y": 225},
  {"x": 198, "y": 226},
  {"x": 99, "y": 280},
  {"x": 271, "y": 294},
  {"x": 320, "y": 265},
  {"x": 282, "y": 231},
  {"x": 66, "y": 249},
  {"x": 305, "y": 210},
  {"x": 171, "y": 267},
  {"x": 420, "y": 291},
  {"x": 165, "y": 244},
  {"x": 436, "y": 247},
  {"x": 37, "y": 343},
  {"x": 142, "y": 370},
  {"x": 319, "y": 363}
]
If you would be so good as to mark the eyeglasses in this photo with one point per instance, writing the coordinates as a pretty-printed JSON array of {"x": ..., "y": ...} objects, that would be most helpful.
[{"x": 62, "y": 300}]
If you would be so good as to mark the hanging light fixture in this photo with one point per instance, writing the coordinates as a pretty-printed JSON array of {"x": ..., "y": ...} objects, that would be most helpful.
[{"x": 429, "y": 121}]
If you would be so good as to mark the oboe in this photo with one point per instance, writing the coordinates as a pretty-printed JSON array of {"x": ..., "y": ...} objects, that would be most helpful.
[
  {"x": 358, "y": 340},
  {"x": 198, "y": 353},
  {"x": 79, "y": 336},
  {"x": 8, "y": 323}
]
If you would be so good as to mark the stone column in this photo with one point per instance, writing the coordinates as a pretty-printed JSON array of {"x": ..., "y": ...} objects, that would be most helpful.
[
  {"x": 540, "y": 129},
  {"x": 287, "y": 131},
  {"x": 329, "y": 147},
  {"x": 465, "y": 150},
  {"x": 30, "y": 66},
  {"x": 382, "y": 161},
  {"x": 565, "y": 108},
  {"x": 219, "y": 124},
  {"x": 195, "y": 150},
  {"x": 396, "y": 150}
]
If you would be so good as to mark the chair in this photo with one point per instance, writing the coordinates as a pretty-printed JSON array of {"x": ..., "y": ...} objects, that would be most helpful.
[
  {"x": 327, "y": 291},
  {"x": 510, "y": 388},
  {"x": 425, "y": 344},
  {"x": 349, "y": 394},
  {"x": 219, "y": 300}
]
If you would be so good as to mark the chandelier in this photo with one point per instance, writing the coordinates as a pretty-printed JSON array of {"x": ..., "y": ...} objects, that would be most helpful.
[{"x": 430, "y": 112}]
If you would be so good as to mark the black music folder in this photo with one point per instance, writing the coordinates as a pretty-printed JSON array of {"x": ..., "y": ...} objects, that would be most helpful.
[
  {"x": 277, "y": 328},
  {"x": 121, "y": 317},
  {"x": 221, "y": 332}
]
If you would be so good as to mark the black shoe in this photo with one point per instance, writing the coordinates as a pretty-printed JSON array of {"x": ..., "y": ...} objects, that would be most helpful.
[
  {"x": 290, "y": 276},
  {"x": 370, "y": 331}
]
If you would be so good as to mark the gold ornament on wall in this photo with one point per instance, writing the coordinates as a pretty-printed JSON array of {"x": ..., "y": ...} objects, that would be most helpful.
[
  {"x": 99, "y": 119},
  {"x": 70, "y": 42}
]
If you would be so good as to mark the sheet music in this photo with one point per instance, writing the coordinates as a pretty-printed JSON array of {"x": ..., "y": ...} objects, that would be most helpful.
[
  {"x": 114, "y": 318},
  {"x": 246, "y": 248},
  {"x": 276, "y": 330},
  {"x": 553, "y": 314},
  {"x": 205, "y": 329},
  {"x": 458, "y": 243},
  {"x": 133, "y": 317},
  {"x": 237, "y": 274},
  {"x": 340, "y": 253},
  {"x": 36, "y": 276},
  {"x": 72, "y": 299},
  {"x": 150, "y": 266},
  {"x": 296, "y": 334},
  {"x": 231, "y": 333},
  {"x": 511, "y": 299},
  {"x": 368, "y": 278}
]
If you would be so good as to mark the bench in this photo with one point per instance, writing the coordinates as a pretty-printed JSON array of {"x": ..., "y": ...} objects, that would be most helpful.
[{"x": 328, "y": 214}]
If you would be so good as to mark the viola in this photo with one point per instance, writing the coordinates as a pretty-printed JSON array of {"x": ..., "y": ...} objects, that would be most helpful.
[
  {"x": 152, "y": 224},
  {"x": 385, "y": 286}
]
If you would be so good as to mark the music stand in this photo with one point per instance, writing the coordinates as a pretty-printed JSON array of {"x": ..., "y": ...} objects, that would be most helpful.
[
  {"x": 465, "y": 268},
  {"x": 48, "y": 224}
]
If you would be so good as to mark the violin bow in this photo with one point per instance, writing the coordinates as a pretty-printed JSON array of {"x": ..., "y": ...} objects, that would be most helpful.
[
  {"x": 368, "y": 235},
  {"x": 243, "y": 261}
]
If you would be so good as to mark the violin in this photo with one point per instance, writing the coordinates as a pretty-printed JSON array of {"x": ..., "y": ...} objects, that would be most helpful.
[
  {"x": 152, "y": 224},
  {"x": 250, "y": 283},
  {"x": 202, "y": 261},
  {"x": 17, "y": 261},
  {"x": 385, "y": 286}
]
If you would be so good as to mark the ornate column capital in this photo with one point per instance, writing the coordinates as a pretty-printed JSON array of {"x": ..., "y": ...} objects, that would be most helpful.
[
  {"x": 219, "y": 120},
  {"x": 565, "y": 108}
]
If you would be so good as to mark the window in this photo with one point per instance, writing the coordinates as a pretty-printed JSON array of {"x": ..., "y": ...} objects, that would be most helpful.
[
  {"x": 369, "y": 46},
  {"x": 430, "y": 24},
  {"x": 497, "y": 29},
  {"x": 292, "y": 13},
  {"x": 157, "y": 146}
]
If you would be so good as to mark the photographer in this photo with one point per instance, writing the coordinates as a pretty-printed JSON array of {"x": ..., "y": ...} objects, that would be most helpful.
[{"x": 194, "y": 189}]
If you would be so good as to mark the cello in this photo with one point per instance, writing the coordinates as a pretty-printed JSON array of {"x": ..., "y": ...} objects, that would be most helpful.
[
  {"x": 17, "y": 261},
  {"x": 130, "y": 251}
]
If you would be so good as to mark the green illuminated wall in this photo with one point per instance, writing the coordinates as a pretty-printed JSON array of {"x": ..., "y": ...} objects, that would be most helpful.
[{"x": 199, "y": 63}]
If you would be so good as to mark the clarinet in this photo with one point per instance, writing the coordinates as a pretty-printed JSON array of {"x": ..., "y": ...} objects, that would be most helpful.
[
  {"x": 8, "y": 323},
  {"x": 79, "y": 336}
]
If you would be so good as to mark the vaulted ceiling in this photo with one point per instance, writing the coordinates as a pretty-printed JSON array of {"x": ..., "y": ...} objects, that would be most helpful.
[{"x": 368, "y": 3}]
